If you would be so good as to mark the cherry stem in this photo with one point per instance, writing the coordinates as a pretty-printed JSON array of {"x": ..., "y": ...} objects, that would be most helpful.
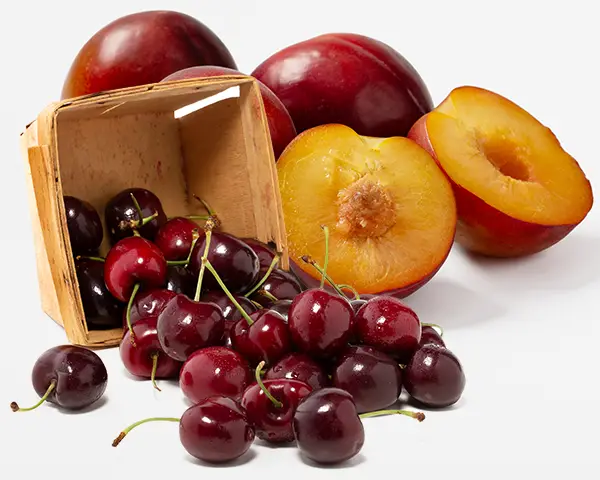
[
  {"x": 260, "y": 383},
  {"x": 198, "y": 217},
  {"x": 121, "y": 436},
  {"x": 212, "y": 270},
  {"x": 85, "y": 257},
  {"x": 310, "y": 261},
  {"x": 265, "y": 277},
  {"x": 14, "y": 406},
  {"x": 153, "y": 374},
  {"x": 136, "y": 233},
  {"x": 420, "y": 416},
  {"x": 142, "y": 221},
  {"x": 136, "y": 287},
  {"x": 344, "y": 286},
  {"x": 434, "y": 325},
  {"x": 269, "y": 295},
  {"x": 210, "y": 211},
  {"x": 207, "y": 240},
  {"x": 326, "y": 262},
  {"x": 256, "y": 304},
  {"x": 195, "y": 237}
]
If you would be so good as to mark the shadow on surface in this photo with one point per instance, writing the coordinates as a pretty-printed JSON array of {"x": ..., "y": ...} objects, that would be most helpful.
[
  {"x": 90, "y": 408},
  {"x": 245, "y": 458},
  {"x": 353, "y": 462}
]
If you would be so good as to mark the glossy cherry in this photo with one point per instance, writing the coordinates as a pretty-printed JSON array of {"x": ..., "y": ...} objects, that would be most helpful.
[
  {"x": 122, "y": 215},
  {"x": 299, "y": 366},
  {"x": 69, "y": 376},
  {"x": 429, "y": 335},
  {"x": 327, "y": 427},
  {"x": 390, "y": 326},
  {"x": 264, "y": 252},
  {"x": 84, "y": 226},
  {"x": 180, "y": 280},
  {"x": 434, "y": 377},
  {"x": 134, "y": 261},
  {"x": 148, "y": 303},
  {"x": 282, "y": 307},
  {"x": 373, "y": 378},
  {"x": 102, "y": 311},
  {"x": 235, "y": 262},
  {"x": 216, "y": 430},
  {"x": 214, "y": 371},
  {"x": 147, "y": 359},
  {"x": 175, "y": 237},
  {"x": 281, "y": 285},
  {"x": 230, "y": 312},
  {"x": 264, "y": 335},
  {"x": 270, "y": 406}
]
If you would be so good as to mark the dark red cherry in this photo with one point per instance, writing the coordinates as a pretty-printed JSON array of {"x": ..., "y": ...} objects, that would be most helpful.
[
  {"x": 148, "y": 303},
  {"x": 320, "y": 322},
  {"x": 216, "y": 430},
  {"x": 267, "y": 338},
  {"x": 84, "y": 226},
  {"x": 282, "y": 307},
  {"x": 69, "y": 376},
  {"x": 131, "y": 261},
  {"x": 140, "y": 360},
  {"x": 434, "y": 377},
  {"x": 273, "y": 420},
  {"x": 373, "y": 378},
  {"x": 102, "y": 311},
  {"x": 280, "y": 284},
  {"x": 299, "y": 366},
  {"x": 226, "y": 340},
  {"x": 180, "y": 280},
  {"x": 263, "y": 251},
  {"x": 122, "y": 217},
  {"x": 235, "y": 262},
  {"x": 429, "y": 335},
  {"x": 175, "y": 238},
  {"x": 230, "y": 311},
  {"x": 327, "y": 426},
  {"x": 214, "y": 371},
  {"x": 186, "y": 325},
  {"x": 356, "y": 304},
  {"x": 390, "y": 326}
]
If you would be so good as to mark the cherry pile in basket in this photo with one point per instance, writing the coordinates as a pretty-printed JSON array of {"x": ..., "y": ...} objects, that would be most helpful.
[{"x": 256, "y": 353}]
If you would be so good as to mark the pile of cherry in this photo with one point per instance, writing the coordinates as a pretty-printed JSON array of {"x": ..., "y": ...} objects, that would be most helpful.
[{"x": 256, "y": 353}]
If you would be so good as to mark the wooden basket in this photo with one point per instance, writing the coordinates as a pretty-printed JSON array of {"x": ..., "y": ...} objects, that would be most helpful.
[{"x": 94, "y": 146}]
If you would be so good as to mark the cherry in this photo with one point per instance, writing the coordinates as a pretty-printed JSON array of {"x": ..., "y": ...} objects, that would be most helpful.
[
  {"x": 282, "y": 307},
  {"x": 434, "y": 377},
  {"x": 327, "y": 427},
  {"x": 373, "y": 378},
  {"x": 390, "y": 326},
  {"x": 214, "y": 371},
  {"x": 298, "y": 366},
  {"x": 180, "y": 280},
  {"x": 230, "y": 312},
  {"x": 281, "y": 285},
  {"x": 84, "y": 226},
  {"x": 215, "y": 430},
  {"x": 236, "y": 262},
  {"x": 175, "y": 237},
  {"x": 429, "y": 335},
  {"x": 102, "y": 311},
  {"x": 147, "y": 359},
  {"x": 270, "y": 406},
  {"x": 262, "y": 335},
  {"x": 186, "y": 325},
  {"x": 134, "y": 209},
  {"x": 69, "y": 376},
  {"x": 263, "y": 251},
  {"x": 148, "y": 303}
]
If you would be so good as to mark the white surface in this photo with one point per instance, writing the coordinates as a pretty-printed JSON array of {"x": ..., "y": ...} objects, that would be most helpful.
[{"x": 525, "y": 331}]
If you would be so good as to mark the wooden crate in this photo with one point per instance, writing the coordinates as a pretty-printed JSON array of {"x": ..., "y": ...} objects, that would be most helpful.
[{"x": 94, "y": 146}]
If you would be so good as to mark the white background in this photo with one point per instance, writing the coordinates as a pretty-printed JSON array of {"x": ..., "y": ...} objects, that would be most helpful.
[{"x": 526, "y": 331}]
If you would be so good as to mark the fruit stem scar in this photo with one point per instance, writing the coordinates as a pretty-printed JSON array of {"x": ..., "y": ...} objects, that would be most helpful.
[
  {"x": 121, "y": 436},
  {"x": 212, "y": 270},
  {"x": 310, "y": 261},
  {"x": 136, "y": 287},
  {"x": 272, "y": 266},
  {"x": 260, "y": 383},
  {"x": 153, "y": 374},
  {"x": 195, "y": 237},
  {"x": 15, "y": 407},
  {"x": 420, "y": 416},
  {"x": 434, "y": 325}
]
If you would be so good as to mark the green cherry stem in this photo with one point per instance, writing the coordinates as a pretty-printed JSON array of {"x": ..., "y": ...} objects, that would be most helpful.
[
  {"x": 198, "y": 217},
  {"x": 142, "y": 221},
  {"x": 310, "y": 261},
  {"x": 136, "y": 287},
  {"x": 268, "y": 294},
  {"x": 212, "y": 270},
  {"x": 85, "y": 257},
  {"x": 210, "y": 211},
  {"x": 208, "y": 239},
  {"x": 121, "y": 436},
  {"x": 153, "y": 374},
  {"x": 324, "y": 273},
  {"x": 195, "y": 237},
  {"x": 14, "y": 406},
  {"x": 269, "y": 395},
  {"x": 344, "y": 286},
  {"x": 434, "y": 325},
  {"x": 274, "y": 263},
  {"x": 420, "y": 416}
]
